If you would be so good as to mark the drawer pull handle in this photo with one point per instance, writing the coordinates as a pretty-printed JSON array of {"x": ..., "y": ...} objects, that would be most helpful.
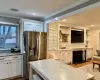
[{"x": 15, "y": 57}]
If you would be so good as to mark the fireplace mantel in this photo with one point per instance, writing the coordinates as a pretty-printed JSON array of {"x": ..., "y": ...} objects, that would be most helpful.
[{"x": 75, "y": 49}]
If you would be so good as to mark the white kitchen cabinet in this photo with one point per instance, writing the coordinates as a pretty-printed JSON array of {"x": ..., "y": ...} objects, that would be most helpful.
[
  {"x": 18, "y": 68},
  {"x": 10, "y": 66},
  {"x": 13, "y": 68},
  {"x": 9, "y": 69},
  {"x": 69, "y": 56},
  {"x": 66, "y": 56},
  {"x": 4, "y": 70},
  {"x": 33, "y": 26}
]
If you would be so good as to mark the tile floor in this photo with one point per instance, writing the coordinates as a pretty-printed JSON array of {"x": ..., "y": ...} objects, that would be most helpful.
[{"x": 89, "y": 69}]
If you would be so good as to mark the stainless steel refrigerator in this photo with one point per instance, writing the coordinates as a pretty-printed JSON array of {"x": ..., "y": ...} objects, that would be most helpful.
[{"x": 35, "y": 45}]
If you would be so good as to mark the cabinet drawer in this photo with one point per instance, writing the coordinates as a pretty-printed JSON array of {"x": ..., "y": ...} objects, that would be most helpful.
[
  {"x": 2, "y": 58},
  {"x": 5, "y": 58},
  {"x": 66, "y": 56},
  {"x": 17, "y": 57}
]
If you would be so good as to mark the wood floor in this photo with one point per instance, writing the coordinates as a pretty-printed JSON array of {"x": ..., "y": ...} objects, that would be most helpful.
[
  {"x": 82, "y": 64},
  {"x": 15, "y": 79},
  {"x": 18, "y": 79}
]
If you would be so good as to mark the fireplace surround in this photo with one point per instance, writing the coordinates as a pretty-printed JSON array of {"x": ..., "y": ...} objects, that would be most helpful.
[{"x": 79, "y": 56}]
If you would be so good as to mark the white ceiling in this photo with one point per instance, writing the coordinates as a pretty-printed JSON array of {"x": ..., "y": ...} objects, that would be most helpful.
[
  {"x": 42, "y": 8},
  {"x": 89, "y": 17}
]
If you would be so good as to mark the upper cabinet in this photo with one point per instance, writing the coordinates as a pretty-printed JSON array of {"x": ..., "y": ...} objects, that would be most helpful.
[
  {"x": 29, "y": 25},
  {"x": 33, "y": 26}
]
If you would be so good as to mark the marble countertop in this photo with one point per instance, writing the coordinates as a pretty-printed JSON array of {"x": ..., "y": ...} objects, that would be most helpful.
[
  {"x": 55, "y": 70},
  {"x": 9, "y": 54}
]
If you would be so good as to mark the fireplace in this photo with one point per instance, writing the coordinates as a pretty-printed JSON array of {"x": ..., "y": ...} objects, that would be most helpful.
[{"x": 79, "y": 56}]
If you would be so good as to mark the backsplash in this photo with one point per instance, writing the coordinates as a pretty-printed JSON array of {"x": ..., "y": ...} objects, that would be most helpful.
[{"x": 64, "y": 56}]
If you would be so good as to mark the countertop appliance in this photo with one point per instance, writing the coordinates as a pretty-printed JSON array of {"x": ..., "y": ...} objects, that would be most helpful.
[
  {"x": 15, "y": 50},
  {"x": 35, "y": 45}
]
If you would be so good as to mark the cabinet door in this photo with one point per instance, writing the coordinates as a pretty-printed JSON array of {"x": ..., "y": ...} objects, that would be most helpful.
[
  {"x": 3, "y": 70},
  {"x": 16, "y": 68},
  {"x": 66, "y": 56},
  {"x": 69, "y": 56},
  {"x": 33, "y": 26},
  {"x": 13, "y": 68}
]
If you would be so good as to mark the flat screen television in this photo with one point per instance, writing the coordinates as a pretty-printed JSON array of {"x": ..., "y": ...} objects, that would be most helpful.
[{"x": 77, "y": 36}]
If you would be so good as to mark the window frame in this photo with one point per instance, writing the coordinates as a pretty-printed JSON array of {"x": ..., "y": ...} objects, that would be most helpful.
[{"x": 17, "y": 34}]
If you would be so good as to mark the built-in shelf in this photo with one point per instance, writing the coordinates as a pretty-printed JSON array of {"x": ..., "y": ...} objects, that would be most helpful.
[
  {"x": 64, "y": 37},
  {"x": 60, "y": 36},
  {"x": 88, "y": 37},
  {"x": 59, "y": 42}
]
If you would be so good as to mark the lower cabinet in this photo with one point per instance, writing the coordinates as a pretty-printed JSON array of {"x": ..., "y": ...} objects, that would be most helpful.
[
  {"x": 4, "y": 70},
  {"x": 16, "y": 68},
  {"x": 10, "y": 68},
  {"x": 66, "y": 56}
]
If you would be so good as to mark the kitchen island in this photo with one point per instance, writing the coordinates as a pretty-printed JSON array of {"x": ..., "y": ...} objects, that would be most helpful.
[{"x": 55, "y": 70}]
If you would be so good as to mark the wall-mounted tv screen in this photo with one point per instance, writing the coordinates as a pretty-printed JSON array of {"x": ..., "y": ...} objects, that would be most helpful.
[{"x": 77, "y": 36}]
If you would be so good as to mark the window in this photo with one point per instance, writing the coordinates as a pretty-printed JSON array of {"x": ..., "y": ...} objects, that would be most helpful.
[{"x": 7, "y": 36}]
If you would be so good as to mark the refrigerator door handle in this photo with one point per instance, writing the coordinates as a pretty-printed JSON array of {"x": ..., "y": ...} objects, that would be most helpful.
[
  {"x": 29, "y": 48},
  {"x": 37, "y": 53}
]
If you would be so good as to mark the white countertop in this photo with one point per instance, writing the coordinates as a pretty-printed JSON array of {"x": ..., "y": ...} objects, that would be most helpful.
[
  {"x": 9, "y": 54},
  {"x": 55, "y": 70}
]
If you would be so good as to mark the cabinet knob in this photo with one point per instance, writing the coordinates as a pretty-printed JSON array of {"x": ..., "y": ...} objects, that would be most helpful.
[{"x": 15, "y": 57}]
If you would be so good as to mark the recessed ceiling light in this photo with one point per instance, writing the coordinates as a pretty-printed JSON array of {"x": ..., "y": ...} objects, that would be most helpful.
[
  {"x": 92, "y": 25},
  {"x": 33, "y": 14},
  {"x": 13, "y": 9},
  {"x": 64, "y": 20},
  {"x": 56, "y": 18}
]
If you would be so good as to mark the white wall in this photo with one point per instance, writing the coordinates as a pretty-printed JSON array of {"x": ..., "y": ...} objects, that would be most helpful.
[{"x": 95, "y": 39}]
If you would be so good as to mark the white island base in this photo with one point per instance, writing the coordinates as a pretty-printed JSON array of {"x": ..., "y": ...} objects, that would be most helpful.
[{"x": 55, "y": 70}]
